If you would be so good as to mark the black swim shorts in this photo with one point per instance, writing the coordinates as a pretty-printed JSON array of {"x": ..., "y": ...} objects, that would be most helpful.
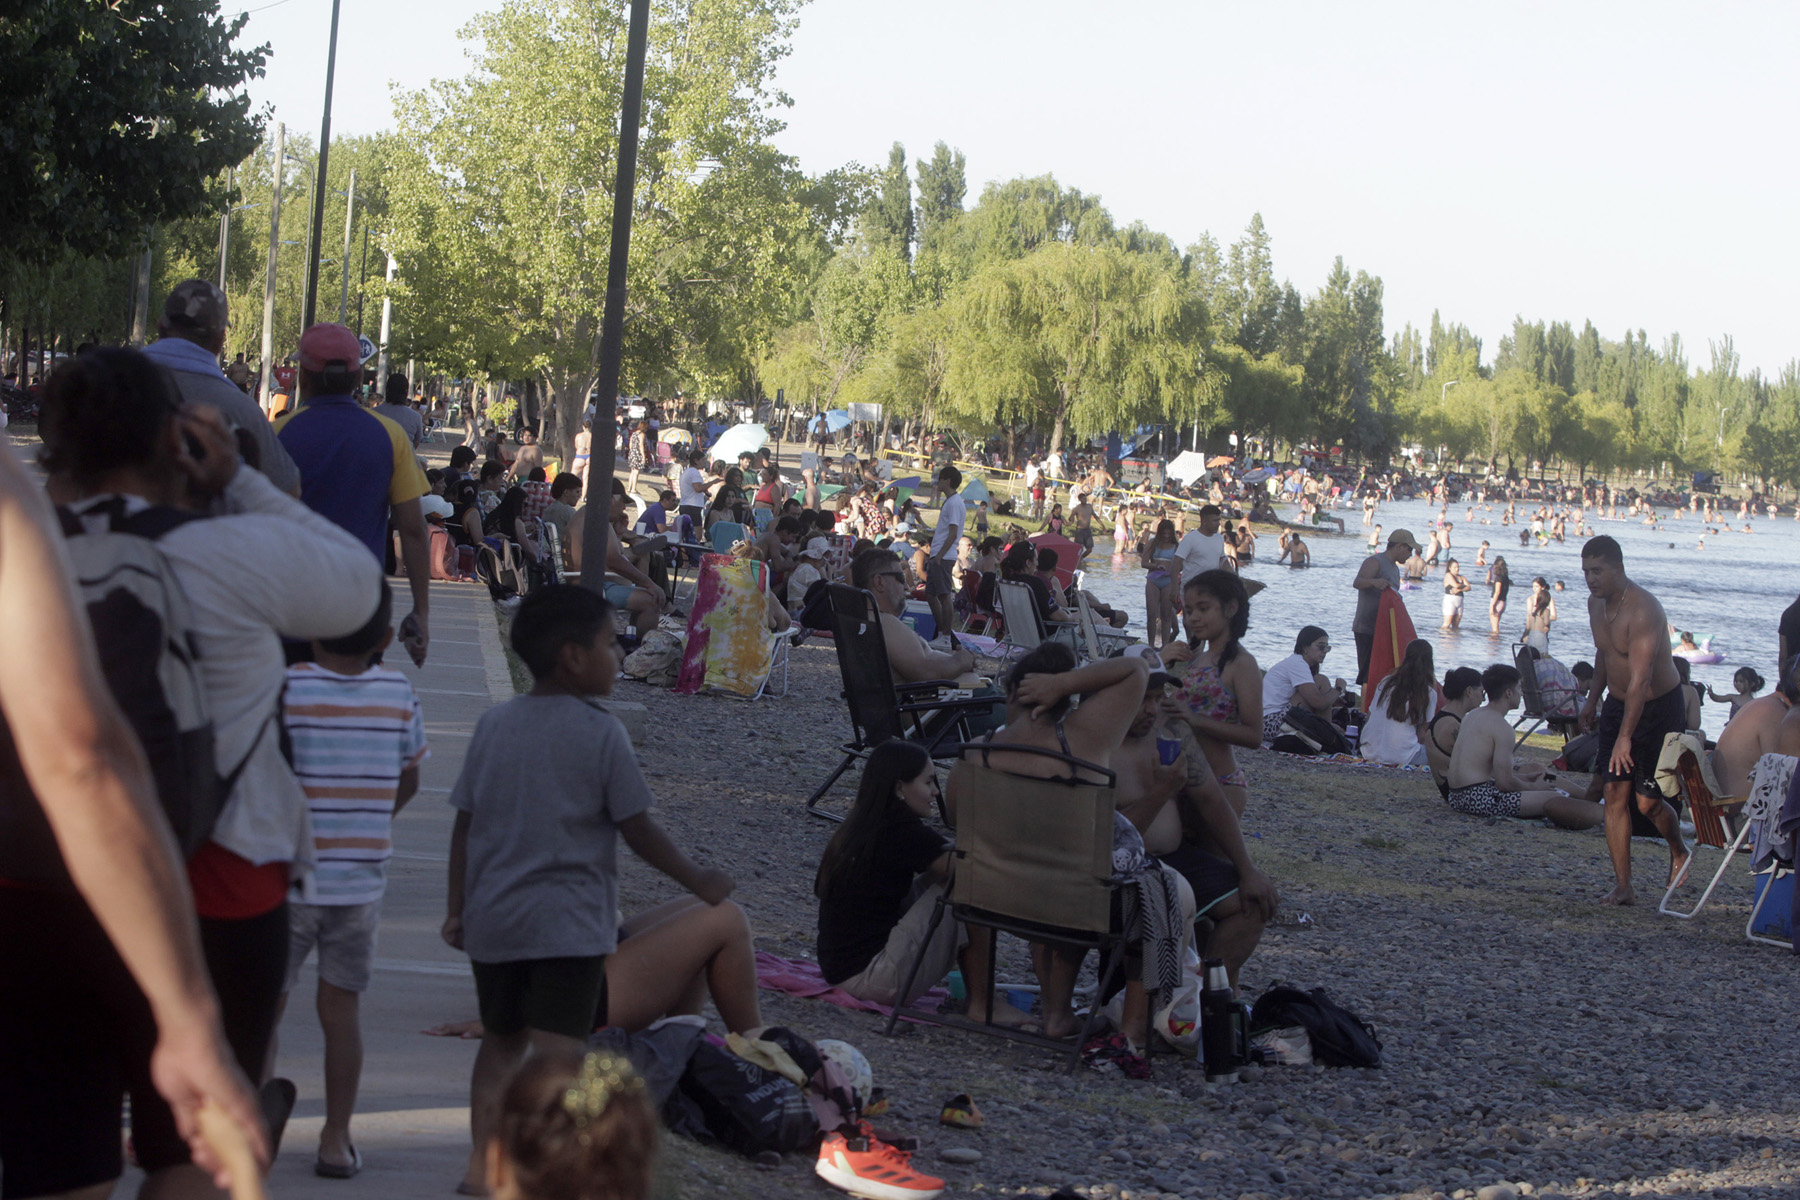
[
  {"x": 1662, "y": 716},
  {"x": 556, "y": 995},
  {"x": 1213, "y": 879}
]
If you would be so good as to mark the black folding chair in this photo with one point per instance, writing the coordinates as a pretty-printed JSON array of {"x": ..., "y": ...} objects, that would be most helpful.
[
  {"x": 1033, "y": 858},
  {"x": 881, "y": 709}
]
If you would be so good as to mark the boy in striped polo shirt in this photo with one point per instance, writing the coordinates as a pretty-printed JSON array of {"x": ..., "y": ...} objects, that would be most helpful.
[{"x": 358, "y": 740}]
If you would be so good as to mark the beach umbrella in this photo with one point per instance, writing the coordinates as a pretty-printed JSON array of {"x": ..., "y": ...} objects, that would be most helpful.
[
  {"x": 739, "y": 439},
  {"x": 836, "y": 419},
  {"x": 674, "y": 434},
  {"x": 1258, "y": 475},
  {"x": 1185, "y": 466},
  {"x": 1223, "y": 460}
]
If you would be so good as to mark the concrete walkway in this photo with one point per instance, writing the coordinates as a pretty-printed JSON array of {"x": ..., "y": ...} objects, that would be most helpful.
[{"x": 412, "y": 1122}]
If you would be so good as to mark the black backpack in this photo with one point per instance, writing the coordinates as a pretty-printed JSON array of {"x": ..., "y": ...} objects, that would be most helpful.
[
  {"x": 144, "y": 635},
  {"x": 1305, "y": 732},
  {"x": 1340, "y": 1038}
]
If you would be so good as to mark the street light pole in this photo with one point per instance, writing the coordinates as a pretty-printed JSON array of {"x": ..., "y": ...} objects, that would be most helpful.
[
  {"x": 598, "y": 497},
  {"x": 387, "y": 324},
  {"x": 318, "y": 215},
  {"x": 1445, "y": 390},
  {"x": 268, "y": 329},
  {"x": 344, "y": 268},
  {"x": 225, "y": 227}
]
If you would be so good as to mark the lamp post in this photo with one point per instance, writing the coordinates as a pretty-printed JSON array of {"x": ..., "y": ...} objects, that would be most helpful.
[
  {"x": 318, "y": 213},
  {"x": 1445, "y": 390},
  {"x": 268, "y": 326},
  {"x": 225, "y": 227},
  {"x": 349, "y": 213},
  {"x": 598, "y": 497}
]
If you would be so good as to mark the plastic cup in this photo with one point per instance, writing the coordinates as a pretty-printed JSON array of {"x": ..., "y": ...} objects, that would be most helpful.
[{"x": 1168, "y": 749}]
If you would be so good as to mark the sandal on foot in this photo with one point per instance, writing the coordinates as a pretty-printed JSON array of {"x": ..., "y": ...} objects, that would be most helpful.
[
  {"x": 331, "y": 1170},
  {"x": 960, "y": 1110}
]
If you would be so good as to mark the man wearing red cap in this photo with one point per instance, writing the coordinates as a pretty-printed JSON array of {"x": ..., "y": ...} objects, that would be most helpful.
[{"x": 357, "y": 468}]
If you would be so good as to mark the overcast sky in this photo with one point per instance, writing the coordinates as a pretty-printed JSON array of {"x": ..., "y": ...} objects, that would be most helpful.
[{"x": 1628, "y": 163}]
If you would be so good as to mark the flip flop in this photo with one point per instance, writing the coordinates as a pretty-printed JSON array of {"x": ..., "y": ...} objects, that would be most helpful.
[
  {"x": 960, "y": 1110},
  {"x": 349, "y": 1170}
]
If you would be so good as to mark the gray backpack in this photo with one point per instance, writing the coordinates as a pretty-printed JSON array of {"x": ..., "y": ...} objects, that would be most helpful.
[{"x": 144, "y": 634}]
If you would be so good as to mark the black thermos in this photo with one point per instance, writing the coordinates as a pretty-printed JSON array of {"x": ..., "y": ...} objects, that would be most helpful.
[{"x": 1224, "y": 1031}]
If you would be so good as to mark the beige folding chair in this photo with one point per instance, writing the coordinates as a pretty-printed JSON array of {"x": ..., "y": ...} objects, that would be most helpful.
[
  {"x": 1033, "y": 858},
  {"x": 1694, "y": 781}
]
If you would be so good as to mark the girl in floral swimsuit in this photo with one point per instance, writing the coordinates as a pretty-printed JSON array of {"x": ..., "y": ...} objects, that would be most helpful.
[{"x": 1220, "y": 697}]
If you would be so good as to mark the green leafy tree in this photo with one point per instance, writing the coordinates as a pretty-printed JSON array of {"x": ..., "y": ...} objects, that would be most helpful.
[
  {"x": 859, "y": 294},
  {"x": 1771, "y": 448},
  {"x": 123, "y": 114},
  {"x": 1252, "y": 297},
  {"x": 943, "y": 185},
  {"x": 1585, "y": 375},
  {"x": 1016, "y": 217},
  {"x": 1075, "y": 339},
  {"x": 502, "y": 211},
  {"x": 1349, "y": 384},
  {"x": 887, "y": 222}
]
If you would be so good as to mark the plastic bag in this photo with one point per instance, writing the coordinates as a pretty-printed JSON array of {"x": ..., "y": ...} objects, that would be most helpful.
[
  {"x": 657, "y": 660},
  {"x": 1178, "y": 1021}
]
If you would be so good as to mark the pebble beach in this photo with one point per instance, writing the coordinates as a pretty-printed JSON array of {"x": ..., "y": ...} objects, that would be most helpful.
[{"x": 1534, "y": 1042}]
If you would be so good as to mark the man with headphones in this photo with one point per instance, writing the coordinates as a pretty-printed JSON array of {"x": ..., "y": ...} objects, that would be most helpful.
[{"x": 358, "y": 468}]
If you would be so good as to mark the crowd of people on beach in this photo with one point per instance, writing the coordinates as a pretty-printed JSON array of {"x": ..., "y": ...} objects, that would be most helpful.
[{"x": 205, "y": 745}]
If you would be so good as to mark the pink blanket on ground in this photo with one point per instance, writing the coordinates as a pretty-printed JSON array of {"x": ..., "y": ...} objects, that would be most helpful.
[{"x": 797, "y": 977}]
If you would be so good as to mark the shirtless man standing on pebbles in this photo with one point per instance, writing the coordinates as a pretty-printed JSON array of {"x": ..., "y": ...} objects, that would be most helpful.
[{"x": 1632, "y": 643}]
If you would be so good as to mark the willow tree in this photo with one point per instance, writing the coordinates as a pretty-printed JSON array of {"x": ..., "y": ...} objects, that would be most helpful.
[
  {"x": 1074, "y": 338},
  {"x": 503, "y": 222}
]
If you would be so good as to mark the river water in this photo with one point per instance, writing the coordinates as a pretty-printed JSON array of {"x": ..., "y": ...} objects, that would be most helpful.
[{"x": 1735, "y": 589}]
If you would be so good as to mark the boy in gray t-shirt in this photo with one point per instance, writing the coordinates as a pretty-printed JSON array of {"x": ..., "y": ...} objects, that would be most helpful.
[{"x": 549, "y": 785}]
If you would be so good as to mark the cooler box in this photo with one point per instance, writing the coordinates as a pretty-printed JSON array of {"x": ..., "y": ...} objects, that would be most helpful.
[
  {"x": 918, "y": 615},
  {"x": 1775, "y": 918}
]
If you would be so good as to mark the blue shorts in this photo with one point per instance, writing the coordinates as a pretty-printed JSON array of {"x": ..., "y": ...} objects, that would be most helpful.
[{"x": 618, "y": 593}]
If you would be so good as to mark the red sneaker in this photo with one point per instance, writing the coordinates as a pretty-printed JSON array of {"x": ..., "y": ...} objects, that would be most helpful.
[{"x": 864, "y": 1165}]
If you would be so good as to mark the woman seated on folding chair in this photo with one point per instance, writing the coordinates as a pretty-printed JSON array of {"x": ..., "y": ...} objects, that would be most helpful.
[
  {"x": 879, "y": 881},
  {"x": 1039, "y": 691}
]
